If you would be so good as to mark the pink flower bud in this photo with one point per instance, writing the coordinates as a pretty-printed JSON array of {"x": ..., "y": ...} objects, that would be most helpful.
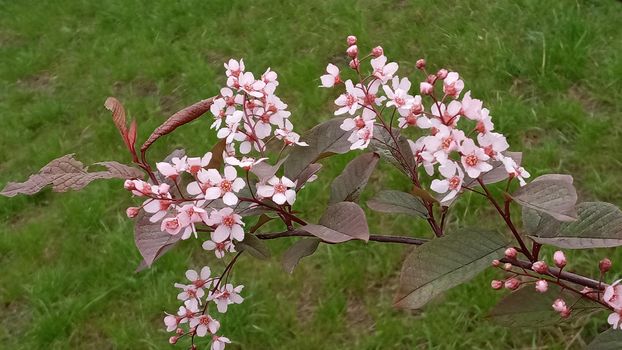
[
  {"x": 173, "y": 339},
  {"x": 420, "y": 64},
  {"x": 351, "y": 40},
  {"x": 377, "y": 51},
  {"x": 180, "y": 331},
  {"x": 430, "y": 78},
  {"x": 542, "y": 286},
  {"x": 129, "y": 185},
  {"x": 354, "y": 64},
  {"x": 507, "y": 266},
  {"x": 132, "y": 212},
  {"x": 352, "y": 51},
  {"x": 604, "y": 265},
  {"x": 426, "y": 88},
  {"x": 496, "y": 284},
  {"x": 540, "y": 267},
  {"x": 559, "y": 305},
  {"x": 442, "y": 73},
  {"x": 512, "y": 283},
  {"x": 511, "y": 253},
  {"x": 565, "y": 313},
  {"x": 496, "y": 263},
  {"x": 560, "y": 259}
]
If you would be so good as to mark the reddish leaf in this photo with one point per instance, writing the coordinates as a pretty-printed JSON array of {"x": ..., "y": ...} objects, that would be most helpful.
[
  {"x": 178, "y": 119},
  {"x": 217, "y": 161},
  {"x": 349, "y": 184},
  {"x": 306, "y": 174},
  {"x": 66, "y": 173},
  {"x": 151, "y": 242},
  {"x": 118, "y": 117},
  {"x": 553, "y": 194},
  {"x": 265, "y": 171},
  {"x": 297, "y": 251}
]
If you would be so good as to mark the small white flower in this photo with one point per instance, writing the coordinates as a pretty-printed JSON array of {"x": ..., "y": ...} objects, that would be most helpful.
[
  {"x": 281, "y": 190},
  {"x": 329, "y": 80},
  {"x": 452, "y": 182},
  {"x": 229, "y": 225}
]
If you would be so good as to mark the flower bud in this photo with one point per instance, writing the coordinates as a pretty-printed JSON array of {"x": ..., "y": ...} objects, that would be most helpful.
[
  {"x": 354, "y": 64},
  {"x": 559, "y": 305},
  {"x": 496, "y": 284},
  {"x": 132, "y": 212},
  {"x": 565, "y": 313},
  {"x": 507, "y": 266},
  {"x": 542, "y": 286},
  {"x": 420, "y": 64},
  {"x": 173, "y": 340},
  {"x": 512, "y": 283},
  {"x": 180, "y": 331},
  {"x": 511, "y": 253},
  {"x": 129, "y": 185},
  {"x": 540, "y": 267},
  {"x": 442, "y": 73},
  {"x": 496, "y": 263},
  {"x": 604, "y": 265},
  {"x": 377, "y": 51},
  {"x": 560, "y": 259},
  {"x": 426, "y": 88},
  {"x": 351, "y": 40},
  {"x": 352, "y": 51},
  {"x": 430, "y": 78}
]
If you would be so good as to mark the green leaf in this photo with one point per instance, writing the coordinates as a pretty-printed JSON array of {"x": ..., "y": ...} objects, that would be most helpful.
[
  {"x": 528, "y": 308},
  {"x": 254, "y": 246},
  {"x": 297, "y": 251},
  {"x": 553, "y": 194},
  {"x": 610, "y": 339},
  {"x": 599, "y": 225},
  {"x": 341, "y": 222},
  {"x": 324, "y": 139},
  {"x": 444, "y": 263},
  {"x": 391, "y": 201},
  {"x": 350, "y": 183}
]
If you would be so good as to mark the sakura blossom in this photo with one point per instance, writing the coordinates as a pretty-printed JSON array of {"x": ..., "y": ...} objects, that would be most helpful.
[
  {"x": 225, "y": 187},
  {"x": 452, "y": 85},
  {"x": 219, "y": 342},
  {"x": 452, "y": 183},
  {"x": 381, "y": 69},
  {"x": 613, "y": 295},
  {"x": 226, "y": 296},
  {"x": 228, "y": 225},
  {"x": 349, "y": 101},
  {"x": 204, "y": 324},
  {"x": 220, "y": 249},
  {"x": 281, "y": 190},
  {"x": 331, "y": 78},
  {"x": 474, "y": 159}
]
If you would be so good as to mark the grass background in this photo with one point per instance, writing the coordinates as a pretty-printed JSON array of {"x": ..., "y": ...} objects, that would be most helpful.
[{"x": 549, "y": 71}]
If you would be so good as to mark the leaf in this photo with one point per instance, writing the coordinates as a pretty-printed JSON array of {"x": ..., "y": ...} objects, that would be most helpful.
[
  {"x": 265, "y": 171},
  {"x": 324, "y": 139},
  {"x": 610, "y": 339},
  {"x": 306, "y": 174},
  {"x": 423, "y": 194},
  {"x": 178, "y": 119},
  {"x": 391, "y": 201},
  {"x": 66, "y": 173},
  {"x": 385, "y": 146},
  {"x": 446, "y": 262},
  {"x": 349, "y": 184},
  {"x": 553, "y": 194},
  {"x": 254, "y": 246},
  {"x": 599, "y": 225},
  {"x": 118, "y": 117},
  {"x": 150, "y": 240},
  {"x": 217, "y": 161},
  {"x": 263, "y": 219},
  {"x": 341, "y": 222},
  {"x": 297, "y": 251},
  {"x": 528, "y": 308},
  {"x": 497, "y": 173}
]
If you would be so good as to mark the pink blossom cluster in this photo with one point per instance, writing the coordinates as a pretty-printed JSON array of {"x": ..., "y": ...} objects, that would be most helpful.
[
  {"x": 192, "y": 318},
  {"x": 456, "y": 149}
]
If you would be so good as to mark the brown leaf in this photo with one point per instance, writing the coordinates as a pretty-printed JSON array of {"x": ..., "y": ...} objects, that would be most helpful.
[
  {"x": 217, "y": 161},
  {"x": 118, "y": 117},
  {"x": 297, "y": 251},
  {"x": 178, "y": 119},
  {"x": 553, "y": 194},
  {"x": 150, "y": 240},
  {"x": 66, "y": 173},
  {"x": 306, "y": 174},
  {"x": 350, "y": 183},
  {"x": 265, "y": 171}
]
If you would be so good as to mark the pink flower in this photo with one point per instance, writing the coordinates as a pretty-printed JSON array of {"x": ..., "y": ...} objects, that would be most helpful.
[
  {"x": 413, "y": 116},
  {"x": 383, "y": 70},
  {"x": 512, "y": 283},
  {"x": 188, "y": 215},
  {"x": 195, "y": 164},
  {"x": 485, "y": 124},
  {"x": 157, "y": 207},
  {"x": 226, "y": 296},
  {"x": 604, "y": 265},
  {"x": 496, "y": 284},
  {"x": 514, "y": 170},
  {"x": 377, "y": 51},
  {"x": 471, "y": 108},
  {"x": 452, "y": 85},
  {"x": 511, "y": 253},
  {"x": 249, "y": 85},
  {"x": 559, "y": 305},
  {"x": 203, "y": 324},
  {"x": 171, "y": 322},
  {"x": 352, "y": 51},
  {"x": 351, "y": 40},
  {"x": 542, "y": 286},
  {"x": 281, "y": 190},
  {"x": 560, "y": 259},
  {"x": 332, "y": 78},
  {"x": 289, "y": 137},
  {"x": 349, "y": 101},
  {"x": 493, "y": 144},
  {"x": 615, "y": 320},
  {"x": 452, "y": 182},
  {"x": 189, "y": 292},
  {"x": 199, "y": 280},
  {"x": 219, "y": 248},
  {"x": 540, "y": 267},
  {"x": 426, "y": 88},
  {"x": 172, "y": 171},
  {"x": 188, "y": 310},
  {"x": 229, "y": 225},
  {"x": 229, "y": 131},
  {"x": 234, "y": 68},
  {"x": 361, "y": 138},
  {"x": 474, "y": 159},
  {"x": 449, "y": 115},
  {"x": 613, "y": 295},
  {"x": 132, "y": 212},
  {"x": 171, "y": 225},
  {"x": 245, "y": 163},
  {"x": 398, "y": 96},
  {"x": 218, "y": 343},
  {"x": 224, "y": 187}
]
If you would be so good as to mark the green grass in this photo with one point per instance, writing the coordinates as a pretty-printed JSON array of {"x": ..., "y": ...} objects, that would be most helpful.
[{"x": 549, "y": 71}]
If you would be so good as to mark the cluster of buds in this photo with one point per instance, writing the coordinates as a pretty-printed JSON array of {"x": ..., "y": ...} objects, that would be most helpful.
[
  {"x": 192, "y": 318},
  {"x": 454, "y": 151}
]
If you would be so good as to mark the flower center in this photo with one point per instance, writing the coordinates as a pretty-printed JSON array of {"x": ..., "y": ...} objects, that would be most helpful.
[
  {"x": 280, "y": 188},
  {"x": 164, "y": 204},
  {"x": 225, "y": 185},
  {"x": 350, "y": 100},
  {"x": 359, "y": 122},
  {"x": 228, "y": 221},
  {"x": 447, "y": 142},
  {"x": 172, "y": 224},
  {"x": 399, "y": 101},
  {"x": 471, "y": 160},
  {"x": 454, "y": 183},
  {"x": 411, "y": 120}
]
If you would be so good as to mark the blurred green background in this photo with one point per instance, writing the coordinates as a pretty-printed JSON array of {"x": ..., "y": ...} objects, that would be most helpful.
[{"x": 550, "y": 71}]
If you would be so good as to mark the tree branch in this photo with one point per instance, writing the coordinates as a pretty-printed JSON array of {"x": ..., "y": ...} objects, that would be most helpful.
[{"x": 374, "y": 238}]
